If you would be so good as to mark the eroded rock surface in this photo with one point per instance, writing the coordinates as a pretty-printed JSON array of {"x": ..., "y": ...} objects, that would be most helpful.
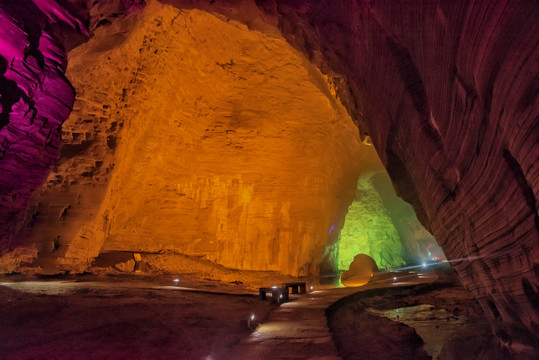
[
  {"x": 193, "y": 134},
  {"x": 360, "y": 271},
  {"x": 35, "y": 99},
  {"x": 448, "y": 93},
  {"x": 368, "y": 229}
]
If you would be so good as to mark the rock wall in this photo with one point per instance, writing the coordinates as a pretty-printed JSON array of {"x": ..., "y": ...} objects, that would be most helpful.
[
  {"x": 448, "y": 93},
  {"x": 368, "y": 229},
  {"x": 192, "y": 134},
  {"x": 35, "y": 99},
  {"x": 417, "y": 242}
]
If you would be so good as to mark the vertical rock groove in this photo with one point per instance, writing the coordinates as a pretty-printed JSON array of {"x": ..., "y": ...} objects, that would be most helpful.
[{"x": 448, "y": 94}]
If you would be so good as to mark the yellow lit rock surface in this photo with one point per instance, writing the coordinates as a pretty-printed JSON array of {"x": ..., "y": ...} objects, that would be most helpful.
[
  {"x": 360, "y": 272},
  {"x": 193, "y": 134}
]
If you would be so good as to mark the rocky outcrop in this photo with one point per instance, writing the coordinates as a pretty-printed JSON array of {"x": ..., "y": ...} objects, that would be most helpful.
[
  {"x": 448, "y": 93},
  {"x": 360, "y": 271}
]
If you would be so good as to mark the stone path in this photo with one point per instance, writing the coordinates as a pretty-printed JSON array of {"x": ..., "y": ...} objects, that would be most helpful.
[{"x": 298, "y": 329}]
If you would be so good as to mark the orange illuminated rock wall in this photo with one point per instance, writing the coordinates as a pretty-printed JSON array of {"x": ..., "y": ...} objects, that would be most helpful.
[{"x": 192, "y": 134}]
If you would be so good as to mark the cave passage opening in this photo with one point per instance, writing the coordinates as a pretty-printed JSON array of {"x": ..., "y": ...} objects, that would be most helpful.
[{"x": 383, "y": 226}]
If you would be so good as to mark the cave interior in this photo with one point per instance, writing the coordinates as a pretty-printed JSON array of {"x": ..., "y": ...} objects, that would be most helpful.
[{"x": 220, "y": 138}]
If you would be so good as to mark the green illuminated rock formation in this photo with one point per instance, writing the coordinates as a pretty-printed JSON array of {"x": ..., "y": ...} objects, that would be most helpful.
[{"x": 368, "y": 229}]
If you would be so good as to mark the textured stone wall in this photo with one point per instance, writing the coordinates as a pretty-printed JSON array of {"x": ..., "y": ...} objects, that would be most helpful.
[
  {"x": 35, "y": 99},
  {"x": 368, "y": 229},
  {"x": 383, "y": 226},
  {"x": 416, "y": 240},
  {"x": 448, "y": 93},
  {"x": 194, "y": 135}
]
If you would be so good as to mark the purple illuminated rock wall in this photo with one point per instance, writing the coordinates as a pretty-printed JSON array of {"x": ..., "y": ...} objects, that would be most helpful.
[{"x": 35, "y": 99}]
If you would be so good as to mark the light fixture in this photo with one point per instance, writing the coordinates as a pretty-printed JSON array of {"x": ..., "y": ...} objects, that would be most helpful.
[
  {"x": 367, "y": 140},
  {"x": 250, "y": 320}
]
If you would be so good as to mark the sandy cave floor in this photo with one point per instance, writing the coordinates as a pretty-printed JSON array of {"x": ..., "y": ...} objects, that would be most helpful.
[
  {"x": 122, "y": 321},
  {"x": 148, "y": 317}
]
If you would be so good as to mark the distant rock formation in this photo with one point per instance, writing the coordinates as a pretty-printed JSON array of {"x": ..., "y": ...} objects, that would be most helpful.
[{"x": 360, "y": 272}]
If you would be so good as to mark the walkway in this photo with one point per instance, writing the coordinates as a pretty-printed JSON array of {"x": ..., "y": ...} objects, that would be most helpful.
[{"x": 298, "y": 329}]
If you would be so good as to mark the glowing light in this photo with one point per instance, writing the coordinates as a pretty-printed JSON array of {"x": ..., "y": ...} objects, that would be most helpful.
[
  {"x": 372, "y": 275},
  {"x": 280, "y": 296},
  {"x": 394, "y": 278},
  {"x": 312, "y": 287},
  {"x": 252, "y": 316},
  {"x": 176, "y": 280},
  {"x": 355, "y": 283},
  {"x": 274, "y": 287},
  {"x": 424, "y": 265},
  {"x": 367, "y": 141}
]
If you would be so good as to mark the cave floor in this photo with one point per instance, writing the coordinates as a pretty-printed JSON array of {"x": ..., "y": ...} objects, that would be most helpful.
[
  {"x": 156, "y": 318},
  {"x": 433, "y": 320},
  {"x": 122, "y": 318},
  {"x": 299, "y": 329}
]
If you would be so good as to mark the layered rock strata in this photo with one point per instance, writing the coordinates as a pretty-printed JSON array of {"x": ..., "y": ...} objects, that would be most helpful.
[
  {"x": 448, "y": 93},
  {"x": 192, "y": 134}
]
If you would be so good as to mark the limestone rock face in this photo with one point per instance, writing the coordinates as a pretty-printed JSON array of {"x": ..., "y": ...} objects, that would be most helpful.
[
  {"x": 369, "y": 230},
  {"x": 195, "y": 135},
  {"x": 448, "y": 93},
  {"x": 419, "y": 245}
]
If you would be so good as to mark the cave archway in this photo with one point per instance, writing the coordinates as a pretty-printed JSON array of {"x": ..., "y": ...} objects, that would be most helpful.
[
  {"x": 452, "y": 80},
  {"x": 179, "y": 143}
]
